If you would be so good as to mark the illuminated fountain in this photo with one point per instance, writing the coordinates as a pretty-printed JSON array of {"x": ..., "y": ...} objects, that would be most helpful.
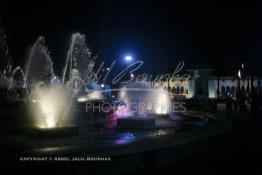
[
  {"x": 142, "y": 104},
  {"x": 39, "y": 66},
  {"x": 4, "y": 81},
  {"x": 47, "y": 100},
  {"x": 59, "y": 105},
  {"x": 10, "y": 77},
  {"x": 78, "y": 66},
  {"x": 54, "y": 98},
  {"x": 142, "y": 99},
  {"x": 51, "y": 99},
  {"x": 5, "y": 62},
  {"x": 48, "y": 106}
]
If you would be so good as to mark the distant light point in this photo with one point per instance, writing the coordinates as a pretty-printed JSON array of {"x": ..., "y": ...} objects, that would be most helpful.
[{"x": 128, "y": 58}]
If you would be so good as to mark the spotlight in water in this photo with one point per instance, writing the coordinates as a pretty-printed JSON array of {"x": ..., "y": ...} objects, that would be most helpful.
[
  {"x": 91, "y": 96},
  {"x": 102, "y": 85},
  {"x": 48, "y": 110},
  {"x": 50, "y": 102},
  {"x": 82, "y": 99}
]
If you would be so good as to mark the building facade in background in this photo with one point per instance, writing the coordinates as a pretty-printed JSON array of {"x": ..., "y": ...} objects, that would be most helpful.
[{"x": 210, "y": 85}]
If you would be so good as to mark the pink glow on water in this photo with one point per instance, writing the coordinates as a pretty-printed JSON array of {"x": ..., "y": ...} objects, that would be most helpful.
[{"x": 123, "y": 111}]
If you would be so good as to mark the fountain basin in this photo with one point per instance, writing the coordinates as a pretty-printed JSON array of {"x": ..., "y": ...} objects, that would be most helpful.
[
  {"x": 135, "y": 122},
  {"x": 43, "y": 132},
  {"x": 52, "y": 132},
  {"x": 161, "y": 116}
]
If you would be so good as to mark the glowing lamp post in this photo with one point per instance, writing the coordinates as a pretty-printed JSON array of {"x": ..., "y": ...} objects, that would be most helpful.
[{"x": 128, "y": 58}]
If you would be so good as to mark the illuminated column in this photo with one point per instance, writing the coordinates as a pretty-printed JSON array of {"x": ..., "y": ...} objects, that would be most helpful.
[
  {"x": 259, "y": 85},
  {"x": 218, "y": 88},
  {"x": 211, "y": 89},
  {"x": 191, "y": 89}
]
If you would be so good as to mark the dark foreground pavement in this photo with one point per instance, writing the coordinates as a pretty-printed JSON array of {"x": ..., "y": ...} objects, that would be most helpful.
[{"x": 235, "y": 151}]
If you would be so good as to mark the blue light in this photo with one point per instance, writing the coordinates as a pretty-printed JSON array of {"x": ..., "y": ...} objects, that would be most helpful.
[{"x": 128, "y": 58}]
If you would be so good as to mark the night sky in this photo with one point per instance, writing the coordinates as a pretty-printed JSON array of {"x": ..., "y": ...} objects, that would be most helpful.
[{"x": 161, "y": 33}]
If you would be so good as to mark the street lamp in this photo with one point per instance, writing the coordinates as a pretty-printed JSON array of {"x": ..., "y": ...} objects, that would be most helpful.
[{"x": 128, "y": 58}]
